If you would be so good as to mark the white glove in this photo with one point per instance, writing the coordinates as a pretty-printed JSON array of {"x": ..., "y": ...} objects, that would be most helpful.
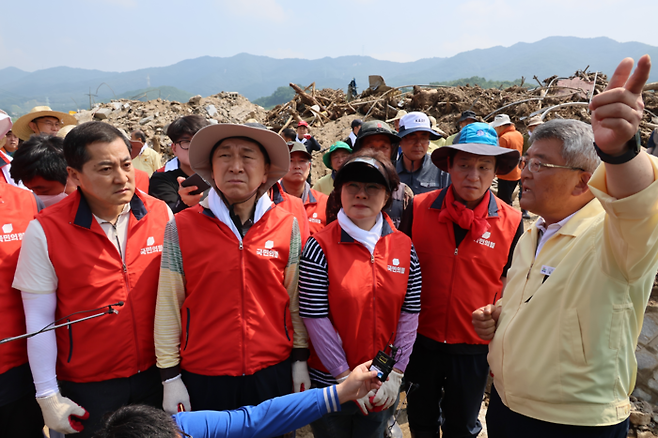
[
  {"x": 364, "y": 402},
  {"x": 300, "y": 378},
  {"x": 175, "y": 393},
  {"x": 62, "y": 414},
  {"x": 388, "y": 392}
]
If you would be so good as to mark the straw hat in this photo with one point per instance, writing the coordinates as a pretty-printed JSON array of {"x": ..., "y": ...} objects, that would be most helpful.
[
  {"x": 22, "y": 128},
  {"x": 398, "y": 116},
  {"x": 65, "y": 130}
]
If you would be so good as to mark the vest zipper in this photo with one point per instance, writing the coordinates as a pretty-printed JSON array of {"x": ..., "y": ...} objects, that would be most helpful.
[
  {"x": 244, "y": 352},
  {"x": 70, "y": 341},
  {"x": 132, "y": 314},
  {"x": 285, "y": 324},
  {"x": 452, "y": 280},
  {"x": 374, "y": 300}
]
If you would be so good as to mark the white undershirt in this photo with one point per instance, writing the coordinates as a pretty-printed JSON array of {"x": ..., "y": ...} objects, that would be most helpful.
[
  {"x": 546, "y": 233},
  {"x": 221, "y": 212}
]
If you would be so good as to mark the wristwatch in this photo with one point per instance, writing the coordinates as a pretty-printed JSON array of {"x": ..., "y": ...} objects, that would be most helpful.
[{"x": 634, "y": 148}]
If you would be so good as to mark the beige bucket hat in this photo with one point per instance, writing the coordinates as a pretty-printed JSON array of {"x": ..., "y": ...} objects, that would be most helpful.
[
  {"x": 204, "y": 140},
  {"x": 22, "y": 128}
]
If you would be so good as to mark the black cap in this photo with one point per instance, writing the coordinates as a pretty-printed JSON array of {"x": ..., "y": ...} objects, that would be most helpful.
[
  {"x": 356, "y": 122},
  {"x": 363, "y": 169},
  {"x": 468, "y": 114},
  {"x": 377, "y": 127}
]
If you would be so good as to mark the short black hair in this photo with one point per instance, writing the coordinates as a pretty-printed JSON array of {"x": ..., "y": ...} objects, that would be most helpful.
[
  {"x": 76, "y": 141},
  {"x": 189, "y": 125},
  {"x": 42, "y": 155},
  {"x": 289, "y": 134},
  {"x": 137, "y": 421},
  {"x": 139, "y": 134}
]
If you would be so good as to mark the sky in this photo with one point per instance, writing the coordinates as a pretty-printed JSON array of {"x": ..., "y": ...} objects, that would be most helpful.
[{"x": 125, "y": 35}]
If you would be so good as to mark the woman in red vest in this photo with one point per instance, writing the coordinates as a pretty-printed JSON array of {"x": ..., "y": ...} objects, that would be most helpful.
[{"x": 359, "y": 291}]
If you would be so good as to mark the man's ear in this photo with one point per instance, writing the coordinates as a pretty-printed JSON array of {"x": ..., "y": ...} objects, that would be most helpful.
[
  {"x": 74, "y": 175},
  {"x": 33, "y": 126},
  {"x": 266, "y": 174},
  {"x": 581, "y": 187}
]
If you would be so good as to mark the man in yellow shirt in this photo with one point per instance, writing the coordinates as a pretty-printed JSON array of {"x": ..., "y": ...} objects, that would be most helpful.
[{"x": 565, "y": 331}]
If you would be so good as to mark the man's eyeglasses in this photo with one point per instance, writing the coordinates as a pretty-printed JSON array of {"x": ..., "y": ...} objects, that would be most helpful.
[
  {"x": 183, "y": 144},
  {"x": 534, "y": 165}
]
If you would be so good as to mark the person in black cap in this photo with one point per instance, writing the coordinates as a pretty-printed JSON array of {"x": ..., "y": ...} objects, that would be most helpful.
[
  {"x": 466, "y": 118},
  {"x": 377, "y": 135},
  {"x": 356, "y": 127},
  {"x": 415, "y": 166},
  {"x": 359, "y": 281}
]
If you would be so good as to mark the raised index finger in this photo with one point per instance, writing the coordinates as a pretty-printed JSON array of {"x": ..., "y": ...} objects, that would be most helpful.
[{"x": 640, "y": 75}]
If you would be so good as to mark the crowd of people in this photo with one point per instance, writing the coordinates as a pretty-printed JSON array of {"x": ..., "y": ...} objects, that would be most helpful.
[{"x": 221, "y": 294}]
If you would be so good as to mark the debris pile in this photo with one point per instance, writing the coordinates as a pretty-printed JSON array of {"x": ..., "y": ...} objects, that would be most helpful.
[
  {"x": 153, "y": 116},
  {"x": 552, "y": 98},
  {"x": 643, "y": 419}
]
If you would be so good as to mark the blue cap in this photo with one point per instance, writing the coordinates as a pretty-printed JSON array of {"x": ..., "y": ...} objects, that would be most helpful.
[{"x": 478, "y": 139}]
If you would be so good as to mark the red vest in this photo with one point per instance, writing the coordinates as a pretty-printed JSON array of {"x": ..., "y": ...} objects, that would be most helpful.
[
  {"x": 366, "y": 292},
  {"x": 456, "y": 281},
  {"x": 293, "y": 205},
  {"x": 236, "y": 316},
  {"x": 91, "y": 274},
  {"x": 142, "y": 180},
  {"x": 316, "y": 210},
  {"x": 17, "y": 208}
]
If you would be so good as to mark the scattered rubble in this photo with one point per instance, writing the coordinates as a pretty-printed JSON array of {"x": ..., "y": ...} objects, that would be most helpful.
[
  {"x": 552, "y": 98},
  {"x": 154, "y": 116},
  {"x": 643, "y": 419}
]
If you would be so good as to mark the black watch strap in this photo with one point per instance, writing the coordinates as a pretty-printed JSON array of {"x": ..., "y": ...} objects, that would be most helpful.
[{"x": 632, "y": 152}]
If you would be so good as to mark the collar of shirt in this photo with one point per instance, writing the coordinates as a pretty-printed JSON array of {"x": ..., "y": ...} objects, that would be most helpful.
[
  {"x": 546, "y": 232},
  {"x": 117, "y": 233},
  {"x": 141, "y": 151}
]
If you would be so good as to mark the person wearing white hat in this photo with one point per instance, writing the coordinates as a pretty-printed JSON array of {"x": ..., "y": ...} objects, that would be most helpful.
[
  {"x": 509, "y": 138},
  {"x": 42, "y": 120},
  {"x": 414, "y": 166},
  {"x": 5, "y": 159},
  {"x": 228, "y": 331},
  {"x": 9, "y": 144}
]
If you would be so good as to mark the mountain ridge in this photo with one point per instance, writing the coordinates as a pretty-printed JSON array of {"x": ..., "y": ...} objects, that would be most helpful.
[{"x": 255, "y": 76}]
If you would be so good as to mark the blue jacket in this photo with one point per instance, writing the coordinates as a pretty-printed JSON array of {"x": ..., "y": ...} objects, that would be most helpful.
[{"x": 271, "y": 418}]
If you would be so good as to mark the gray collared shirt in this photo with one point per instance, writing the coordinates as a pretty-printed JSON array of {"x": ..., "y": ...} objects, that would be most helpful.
[{"x": 427, "y": 178}]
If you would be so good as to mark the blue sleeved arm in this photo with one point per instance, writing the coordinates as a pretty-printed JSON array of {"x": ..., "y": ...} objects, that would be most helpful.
[{"x": 271, "y": 418}]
